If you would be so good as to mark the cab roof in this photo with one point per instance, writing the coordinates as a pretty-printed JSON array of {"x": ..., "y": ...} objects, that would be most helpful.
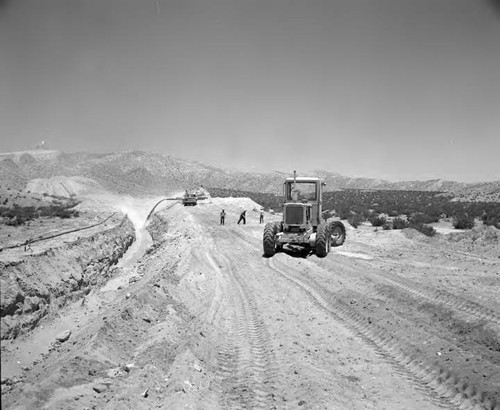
[{"x": 303, "y": 179}]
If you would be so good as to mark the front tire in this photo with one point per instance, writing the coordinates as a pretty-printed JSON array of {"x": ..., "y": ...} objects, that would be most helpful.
[
  {"x": 322, "y": 240},
  {"x": 337, "y": 232},
  {"x": 269, "y": 239}
]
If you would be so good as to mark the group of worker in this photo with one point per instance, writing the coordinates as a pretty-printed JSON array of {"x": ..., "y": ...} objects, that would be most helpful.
[{"x": 242, "y": 218}]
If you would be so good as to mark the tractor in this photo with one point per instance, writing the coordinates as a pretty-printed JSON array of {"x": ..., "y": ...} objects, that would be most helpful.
[{"x": 303, "y": 224}]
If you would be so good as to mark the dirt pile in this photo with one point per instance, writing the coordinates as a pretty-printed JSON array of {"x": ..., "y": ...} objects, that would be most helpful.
[
  {"x": 40, "y": 283},
  {"x": 485, "y": 239}
]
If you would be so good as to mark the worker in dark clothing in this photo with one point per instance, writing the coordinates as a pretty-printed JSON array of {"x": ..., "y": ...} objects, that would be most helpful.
[
  {"x": 261, "y": 216},
  {"x": 242, "y": 218},
  {"x": 27, "y": 245},
  {"x": 222, "y": 217}
]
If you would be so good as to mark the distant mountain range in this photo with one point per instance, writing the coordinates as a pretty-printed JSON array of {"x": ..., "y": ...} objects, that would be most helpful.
[{"x": 145, "y": 173}]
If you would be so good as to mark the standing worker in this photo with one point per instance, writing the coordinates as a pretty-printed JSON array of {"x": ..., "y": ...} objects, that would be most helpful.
[
  {"x": 243, "y": 218},
  {"x": 261, "y": 216},
  {"x": 222, "y": 217}
]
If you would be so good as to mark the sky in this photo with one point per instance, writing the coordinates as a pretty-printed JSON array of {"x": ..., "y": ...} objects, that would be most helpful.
[{"x": 391, "y": 89}]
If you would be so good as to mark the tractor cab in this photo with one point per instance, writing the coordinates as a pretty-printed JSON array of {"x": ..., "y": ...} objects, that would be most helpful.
[{"x": 302, "y": 206}]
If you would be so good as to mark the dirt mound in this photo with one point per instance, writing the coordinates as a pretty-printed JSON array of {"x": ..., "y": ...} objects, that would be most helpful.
[
  {"x": 481, "y": 238},
  {"x": 415, "y": 235},
  {"x": 237, "y": 204}
]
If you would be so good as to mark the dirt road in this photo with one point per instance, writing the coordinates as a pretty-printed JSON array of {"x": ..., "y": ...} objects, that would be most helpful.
[{"x": 390, "y": 320}]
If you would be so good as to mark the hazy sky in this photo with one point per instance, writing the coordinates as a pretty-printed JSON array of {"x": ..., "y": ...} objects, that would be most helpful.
[{"x": 394, "y": 89}]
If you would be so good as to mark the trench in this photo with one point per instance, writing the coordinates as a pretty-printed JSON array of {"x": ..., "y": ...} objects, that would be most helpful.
[
  {"x": 139, "y": 214},
  {"x": 24, "y": 352}
]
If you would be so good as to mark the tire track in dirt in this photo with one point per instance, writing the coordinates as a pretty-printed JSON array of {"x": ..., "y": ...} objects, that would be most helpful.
[
  {"x": 359, "y": 326},
  {"x": 452, "y": 253},
  {"x": 246, "y": 365},
  {"x": 301, "y": 390},
  {"x": 441, "y": 386},
  {"x": 441, "y": 296},
  {"x": 438, "y": 383},
  {"x": 461, "y": 391}
]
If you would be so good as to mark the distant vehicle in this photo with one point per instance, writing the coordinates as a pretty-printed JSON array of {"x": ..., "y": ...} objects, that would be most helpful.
[
  {"x": 189, "y": 199},
  {"x": 302, "y": 222}
]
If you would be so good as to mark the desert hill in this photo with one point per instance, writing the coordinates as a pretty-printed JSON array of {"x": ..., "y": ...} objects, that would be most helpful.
[{"x": 142, "y": 173}]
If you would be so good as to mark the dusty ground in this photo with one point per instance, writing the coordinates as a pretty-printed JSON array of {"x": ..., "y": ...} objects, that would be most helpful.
[{"x": 390, "y": 320}]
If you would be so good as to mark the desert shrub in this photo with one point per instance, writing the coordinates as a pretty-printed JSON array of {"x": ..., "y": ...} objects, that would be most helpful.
[
  {"x": 377, "y": 220},
  {"x": 15, "y": 221},
  {"x": 59, "y": 210},
  {"x": 344, "y": 213},
  {"x": 399, "y": 223},
  {"x": 425, "y": 229},
  {"x": 420, "y": 218},
  {"x": 66, "y": 213},
  {"x": 387, "y": 226},
  {"x": 368, "y": 214},
  {"x": 463, "y": 222},
  {"x": 18, "y": 215},
  {"x": 491, "y": 220},
  {"x": 355, "y": 220}
]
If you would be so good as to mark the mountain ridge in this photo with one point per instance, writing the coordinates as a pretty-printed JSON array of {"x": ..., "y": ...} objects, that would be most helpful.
[{"x": 141, "y": 172}]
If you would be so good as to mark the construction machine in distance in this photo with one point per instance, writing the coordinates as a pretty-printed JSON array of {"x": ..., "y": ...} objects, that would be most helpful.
[
  {"x": 302, "y": 224},
  {"x": 189, "y": 199}
]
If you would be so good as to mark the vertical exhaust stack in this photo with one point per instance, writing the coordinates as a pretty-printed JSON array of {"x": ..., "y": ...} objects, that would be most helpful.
[{"x": 294, "y": 189}]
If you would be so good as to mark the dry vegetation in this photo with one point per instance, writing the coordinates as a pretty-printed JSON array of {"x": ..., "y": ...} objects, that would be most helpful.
[{"x": 390, "y": 209}]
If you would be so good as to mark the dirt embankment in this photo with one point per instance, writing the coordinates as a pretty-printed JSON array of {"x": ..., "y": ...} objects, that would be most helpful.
[{"x": 38, "y": 283}]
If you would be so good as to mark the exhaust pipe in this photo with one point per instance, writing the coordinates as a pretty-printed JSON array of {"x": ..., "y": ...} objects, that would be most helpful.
[{"x": 294, "y": 189}]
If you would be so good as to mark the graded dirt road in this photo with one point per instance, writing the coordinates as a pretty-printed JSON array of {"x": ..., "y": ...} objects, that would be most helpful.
[{"x": 390, "y": 320}]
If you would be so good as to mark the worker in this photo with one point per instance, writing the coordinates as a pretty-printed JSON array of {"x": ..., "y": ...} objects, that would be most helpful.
[
  {"x": 27, "y": 245},
  {"x": 243, "y": 217},
  {"x": 222, "y": 217},
  {"x": 261, "y": 216}
]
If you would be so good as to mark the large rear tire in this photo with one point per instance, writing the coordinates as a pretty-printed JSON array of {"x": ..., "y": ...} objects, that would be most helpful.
[
  {"x": 322, "y": 240},
  {"x": 269, "y": 239},
  {"x": 337, "y": 232}
]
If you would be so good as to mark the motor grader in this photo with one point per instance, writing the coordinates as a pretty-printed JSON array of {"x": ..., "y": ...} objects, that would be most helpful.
[{"x": 302, "y": 224}]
